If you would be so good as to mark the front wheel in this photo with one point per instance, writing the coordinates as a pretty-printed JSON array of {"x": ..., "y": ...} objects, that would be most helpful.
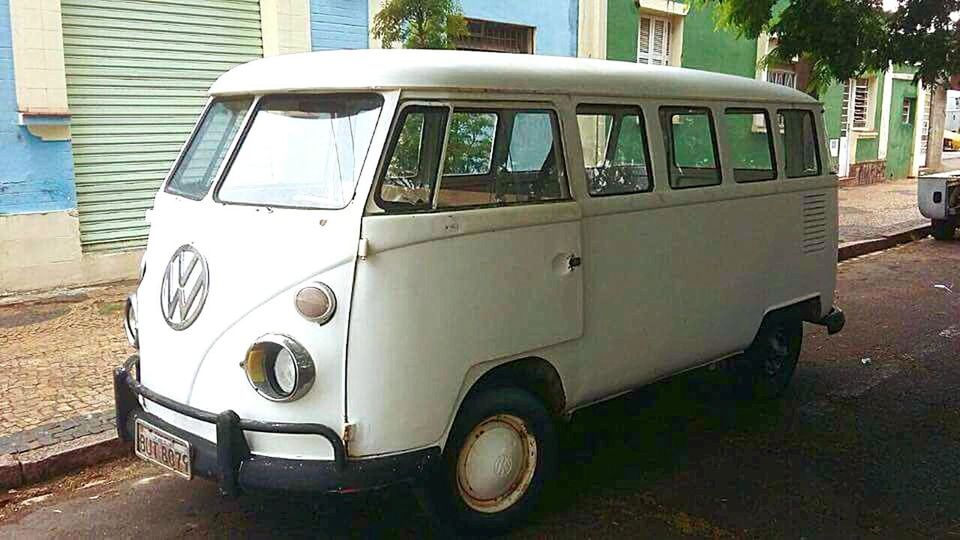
[
  {"x": 943, "y": 229},
  {"x": 768, "y": 364},
  {"x": 502, "y": 448}
]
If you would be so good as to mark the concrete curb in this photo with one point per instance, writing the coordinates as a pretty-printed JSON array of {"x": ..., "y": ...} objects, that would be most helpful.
[
  {"x": 849, "y": 250},
  {"x": 17, "y": 470}
]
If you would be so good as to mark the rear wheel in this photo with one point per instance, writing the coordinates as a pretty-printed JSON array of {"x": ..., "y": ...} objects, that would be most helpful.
[
  {"x": 943, "y": 229},
  {"x": 768, "y": 364},
  {"x": 501, "y": 450}
]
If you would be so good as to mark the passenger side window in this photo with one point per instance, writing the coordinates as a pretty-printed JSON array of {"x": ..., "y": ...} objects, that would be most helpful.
[
  {"x": 502, "y": 157},
  {"x": 748, "y": 134},
  {"x": 414, "y": 156},
  {"x": 799, "y": 133},
  {"x": 615, "y": 153},
  {"x": 691, "y": 143}
]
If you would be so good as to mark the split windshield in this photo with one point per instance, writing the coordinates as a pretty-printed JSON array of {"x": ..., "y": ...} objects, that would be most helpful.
[
  {"x": 299, "y": 151},
  {"x": 208, "y": 147}
]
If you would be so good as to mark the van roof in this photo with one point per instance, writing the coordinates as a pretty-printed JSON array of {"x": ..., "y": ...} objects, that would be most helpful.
[{"x": 380, "y": 69}]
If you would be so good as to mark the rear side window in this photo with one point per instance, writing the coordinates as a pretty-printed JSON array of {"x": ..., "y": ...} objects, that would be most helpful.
[
  {"x": 801, "y": 148},
  {"x": 211, "y": 141},
  {"x": 615, "y": 153},
  {"x": 750, "y": 139},
  {"x": 691, "y": 141},
  {"x": 413, "y": 158}
]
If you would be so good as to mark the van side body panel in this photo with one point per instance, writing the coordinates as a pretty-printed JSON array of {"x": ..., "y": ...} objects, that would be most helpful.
[{"x": 672, "y": 279}]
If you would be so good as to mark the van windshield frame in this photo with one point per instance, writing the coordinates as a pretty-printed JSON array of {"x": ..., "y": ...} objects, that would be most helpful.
[
  {"x": 250, "y": 123},
  {"x": 175, "y": 183}
]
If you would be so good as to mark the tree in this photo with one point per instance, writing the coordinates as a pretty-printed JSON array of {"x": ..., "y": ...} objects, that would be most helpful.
[
  {"x": 843, "y": 39},
  {"x": 420, "y": 24}
]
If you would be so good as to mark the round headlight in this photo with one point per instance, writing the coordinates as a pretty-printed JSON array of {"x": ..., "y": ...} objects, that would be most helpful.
[
  {"x": 130, "y": 321},
  {"x": 279, "y": 368},
  {"x": 316, "y": 303}
]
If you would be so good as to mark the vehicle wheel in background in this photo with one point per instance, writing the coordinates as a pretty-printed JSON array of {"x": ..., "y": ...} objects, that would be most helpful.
[{"x": 943, "y": 229}]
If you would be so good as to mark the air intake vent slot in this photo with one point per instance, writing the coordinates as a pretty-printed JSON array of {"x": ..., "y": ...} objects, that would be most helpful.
[{"x": 814, "y": 222}]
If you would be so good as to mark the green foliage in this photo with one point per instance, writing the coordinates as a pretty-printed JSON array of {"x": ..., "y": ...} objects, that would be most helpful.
[
  {"x": 843, "y": 39},
  {"x": 470, "y": 143},
  {"x": 420, "y": 24}
]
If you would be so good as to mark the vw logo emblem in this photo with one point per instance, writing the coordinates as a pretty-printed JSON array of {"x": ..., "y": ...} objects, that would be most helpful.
[
  {"x": 503, "y": 465},
  {"x": 184, "y": 288}
]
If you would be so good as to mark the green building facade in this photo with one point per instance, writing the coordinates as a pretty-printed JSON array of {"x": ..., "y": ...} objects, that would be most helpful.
[{"x": 872, "y": 136}]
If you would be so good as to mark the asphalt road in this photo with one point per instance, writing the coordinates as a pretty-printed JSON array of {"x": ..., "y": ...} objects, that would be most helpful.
[{"x": 866, "y": 443}]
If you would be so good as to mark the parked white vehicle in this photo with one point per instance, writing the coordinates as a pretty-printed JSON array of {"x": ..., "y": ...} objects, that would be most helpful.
[
  {"x": 369, "y": 267},
  {"x": 938, "y": 197}
]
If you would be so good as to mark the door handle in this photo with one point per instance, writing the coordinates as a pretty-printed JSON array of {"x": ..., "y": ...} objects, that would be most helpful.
[{"x": 573, "y": 262}]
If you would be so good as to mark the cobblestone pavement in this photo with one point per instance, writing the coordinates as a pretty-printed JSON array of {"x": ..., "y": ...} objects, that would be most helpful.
[
  {"x": 871, "y": 211},
  {"x": 58, "y": 431},
  {"x": 56, "y": 357}
]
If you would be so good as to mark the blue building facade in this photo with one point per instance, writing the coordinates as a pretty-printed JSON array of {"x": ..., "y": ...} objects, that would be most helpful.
[
  {"x": 345, "y": 24},
  {"x": 554, "y": 23},
  {"x": 339, "y": 24},
  {"x": 35, "y": 175}
]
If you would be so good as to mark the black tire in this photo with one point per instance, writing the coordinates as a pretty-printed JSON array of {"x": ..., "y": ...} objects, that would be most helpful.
[
  {"x": 943, "y": 229},
  {"x": 449, "y": 500},
  {"x": 767, "y": 366}
]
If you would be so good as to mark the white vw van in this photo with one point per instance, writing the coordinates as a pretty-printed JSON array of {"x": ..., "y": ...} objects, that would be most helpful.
[{"x": 369, "y": 267}]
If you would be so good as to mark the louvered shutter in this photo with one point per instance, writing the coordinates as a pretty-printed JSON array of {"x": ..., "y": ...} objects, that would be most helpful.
[
  {"x": 137, "y": 76},
  {"x": 653, "y": 41}
]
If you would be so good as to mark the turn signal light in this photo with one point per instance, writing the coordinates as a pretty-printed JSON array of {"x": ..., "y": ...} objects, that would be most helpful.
[{"x": 316, "y": 303}]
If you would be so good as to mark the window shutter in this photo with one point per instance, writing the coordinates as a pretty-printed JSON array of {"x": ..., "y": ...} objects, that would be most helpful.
[
  {"x": 659, "y": 30},
  {"x": 860, "y": 95},
  {"x": 643, "y": 43},
  {"x": 653, "y": 42}
]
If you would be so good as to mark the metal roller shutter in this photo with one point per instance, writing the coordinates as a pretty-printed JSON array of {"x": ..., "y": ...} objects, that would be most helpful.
[{"x": 137, "y": 76}]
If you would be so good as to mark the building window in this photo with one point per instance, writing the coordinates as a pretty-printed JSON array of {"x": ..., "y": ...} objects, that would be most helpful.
[
  {"x": 855, "y": 110},
  {"x": 785, "y": 77},
  {"x": 497, "y": 37},
  {"x": 906, "y": 112},
  {"x": 653, "y": 43}
]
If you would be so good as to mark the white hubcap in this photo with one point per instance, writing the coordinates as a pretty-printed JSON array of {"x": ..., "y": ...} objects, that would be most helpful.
[{"x": 496, "y": 463}]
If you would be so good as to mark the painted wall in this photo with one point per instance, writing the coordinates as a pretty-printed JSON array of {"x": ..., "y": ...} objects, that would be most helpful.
[
  {"x": 622, "y": 28},
  {"x": 339, "y": 24},
  {"x": 711, "y": 49},
  {"x": 900, "y": 143},
  {"x": 555, "y": 22},
  {"x": 35, "y": 176}
]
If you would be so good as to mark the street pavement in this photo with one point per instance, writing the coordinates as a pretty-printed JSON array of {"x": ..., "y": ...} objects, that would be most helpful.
[{"x": 865, "y": 443}]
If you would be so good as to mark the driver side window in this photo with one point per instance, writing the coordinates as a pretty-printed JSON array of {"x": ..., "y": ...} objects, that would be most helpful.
[
  {"x": 492, "y": 157},
  {"x": 520, "y": 155},
  {"x": 410, "y": 177}
]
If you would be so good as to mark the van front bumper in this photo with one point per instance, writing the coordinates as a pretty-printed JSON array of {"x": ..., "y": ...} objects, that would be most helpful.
[{"x": 230, "y": 462}]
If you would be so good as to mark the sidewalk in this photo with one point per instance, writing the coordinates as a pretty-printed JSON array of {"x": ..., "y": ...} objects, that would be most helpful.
[
  {"x": 57, "y": 354},
  {"x": 876, "y": 210},
  {"x": 56, "y": 359}
]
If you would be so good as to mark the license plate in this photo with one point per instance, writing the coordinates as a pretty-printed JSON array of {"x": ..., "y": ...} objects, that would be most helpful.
[{"x": 168, "y": 451}]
